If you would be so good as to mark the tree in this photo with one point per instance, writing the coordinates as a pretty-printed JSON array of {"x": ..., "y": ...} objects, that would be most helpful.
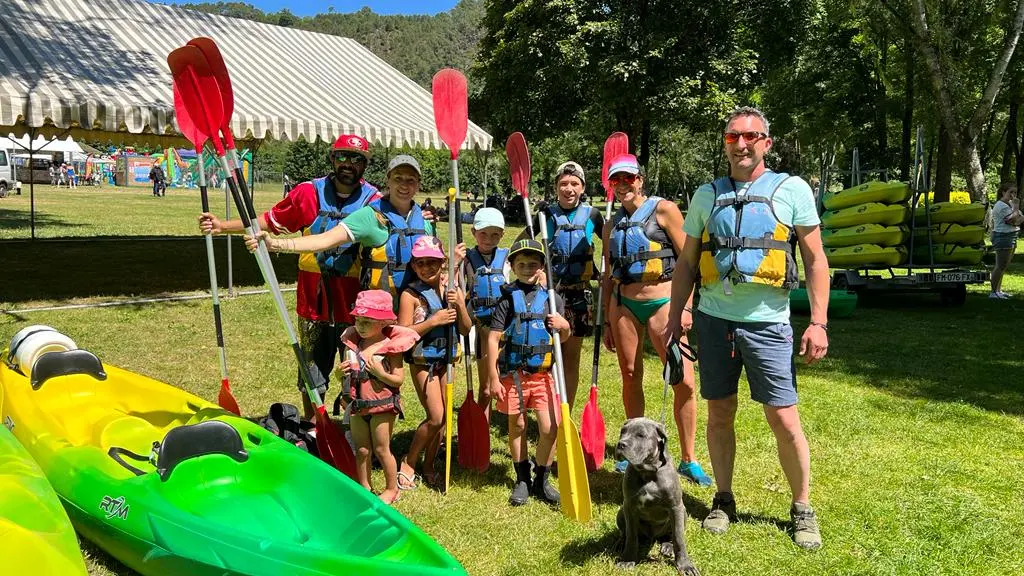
[{"x": 963, "y": 116}]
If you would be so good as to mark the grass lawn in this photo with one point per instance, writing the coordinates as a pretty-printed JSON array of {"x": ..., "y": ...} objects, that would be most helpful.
[{"x": 914, "y": 419}]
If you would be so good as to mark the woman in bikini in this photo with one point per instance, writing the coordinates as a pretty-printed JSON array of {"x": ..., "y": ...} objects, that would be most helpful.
[{"x": 640, "y": 246}]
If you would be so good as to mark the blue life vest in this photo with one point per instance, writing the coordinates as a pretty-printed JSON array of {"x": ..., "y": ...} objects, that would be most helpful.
[
  {"x": 337, "y": 261},
  {"x": 430, "y": 348},
  {"x": 744, "y": 241},
  {"x": 572, "y": 253},
  {"x": 384, "y": 267},
  {"x": 639, "y": 249},
  {"x": 487, "y": 282},
  {"x": 526, "y": 342}
]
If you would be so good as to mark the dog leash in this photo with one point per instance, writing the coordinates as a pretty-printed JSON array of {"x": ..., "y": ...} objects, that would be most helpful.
[{"x": 672, "y": 373}]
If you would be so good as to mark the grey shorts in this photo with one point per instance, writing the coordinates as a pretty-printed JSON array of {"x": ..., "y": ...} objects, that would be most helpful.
[
  {"x": 1004, "y": 240},
  {"x": 763, "y": 348}
]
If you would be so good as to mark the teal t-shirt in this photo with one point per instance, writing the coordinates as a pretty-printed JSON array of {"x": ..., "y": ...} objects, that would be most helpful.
[
  {"x": 793, "y": 204},
  {"x": 365, "y": 229}
]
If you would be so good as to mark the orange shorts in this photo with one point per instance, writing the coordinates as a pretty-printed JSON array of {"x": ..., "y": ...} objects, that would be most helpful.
[{"x": 538, "y": 392}]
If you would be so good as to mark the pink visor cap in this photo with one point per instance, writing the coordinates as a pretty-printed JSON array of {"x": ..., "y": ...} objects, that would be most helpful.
[{"x": 427, "y": 247}]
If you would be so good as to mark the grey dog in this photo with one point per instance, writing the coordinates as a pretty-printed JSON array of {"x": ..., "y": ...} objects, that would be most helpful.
[{"x": 652, "y": 499}]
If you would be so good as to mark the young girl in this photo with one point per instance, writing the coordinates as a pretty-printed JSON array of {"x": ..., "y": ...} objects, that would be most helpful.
[
  {"x": 373, "y": 373},
  {"x": 420, "y": 307}
]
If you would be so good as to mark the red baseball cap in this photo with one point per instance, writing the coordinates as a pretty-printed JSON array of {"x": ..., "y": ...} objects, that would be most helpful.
[{"x": 354, "y": 143}]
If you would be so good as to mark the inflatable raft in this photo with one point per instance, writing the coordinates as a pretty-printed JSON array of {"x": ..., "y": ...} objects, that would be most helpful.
[
  {"x": 841, "y": 303},
  {"x": 170, "y": 484},
  {"x": 942, "y": 212},
  {"x": 949, "y": 254},
  {"x": 951, "y": 233},
  {"x": 864, "y": 234},
  {"x": 36, "y": 536},
  {"x": 882, "y": 192},
  {"x": 865, "y": 256},
  {"x": 871, "y": 213}
]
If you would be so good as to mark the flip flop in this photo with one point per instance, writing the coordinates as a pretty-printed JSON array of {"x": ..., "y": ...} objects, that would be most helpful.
[{"x": 410, "y": 482}]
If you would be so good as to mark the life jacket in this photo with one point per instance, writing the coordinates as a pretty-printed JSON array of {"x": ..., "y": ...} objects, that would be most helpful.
[
  {"x": 572, "y": 254},
  {"x": 341, "y": 260},
  {"x": 431, "y": 347},
  {"x": 368, "y": 394},
  {"x": 744, "y": 241},
  {"x": 526, "y": 343},
  {"x": 384, "y": 267},
  {"x": 640, "y": 250},
  {"x": 488, "y": 280}
]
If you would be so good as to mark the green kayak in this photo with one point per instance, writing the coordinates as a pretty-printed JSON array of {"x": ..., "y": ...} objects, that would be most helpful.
[
  {"x": 215, "y": 495},
  {"x": 841, "y": 303}
]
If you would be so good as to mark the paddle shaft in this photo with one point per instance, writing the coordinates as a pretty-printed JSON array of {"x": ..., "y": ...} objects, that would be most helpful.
[
  {"x": 213, "y": 275},
  {"x": 465, "y": 339},
  {"x": 559, "y": 371},
  {"x": 600, "y": 301}
]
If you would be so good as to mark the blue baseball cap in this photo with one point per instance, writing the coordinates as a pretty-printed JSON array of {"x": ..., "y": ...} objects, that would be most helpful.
[{"x": 488, "y": 217}]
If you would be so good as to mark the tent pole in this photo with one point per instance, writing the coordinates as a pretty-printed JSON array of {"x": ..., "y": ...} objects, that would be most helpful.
[{"x": 32, "y": 182}]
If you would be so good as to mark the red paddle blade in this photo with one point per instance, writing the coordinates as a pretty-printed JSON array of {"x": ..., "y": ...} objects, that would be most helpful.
[
  {"x": 592, "y": 433},
  {"x": 451, "y": 108},
  {"x": 199, "y": 91},
  {"x": 185, "y": 124},
  {"x": 332, "y": 445},
  {"x": 227, "y": 400},
  {"x": 220, "y": 71},
  {"x": 474, "y": 436},
  {"x": 616, "y": 144},
  {"x": 518, "y": 163}
]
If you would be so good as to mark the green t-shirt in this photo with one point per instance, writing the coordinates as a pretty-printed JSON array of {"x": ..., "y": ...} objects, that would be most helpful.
[
  {"x": 365, "y": 229},
  {"x": 793, "y": 204}
]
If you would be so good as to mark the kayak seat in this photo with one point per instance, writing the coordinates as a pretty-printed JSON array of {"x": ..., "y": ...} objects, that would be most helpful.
[
  {"x": 192, "y": 441},
  {"x": 54, "y": 364}
]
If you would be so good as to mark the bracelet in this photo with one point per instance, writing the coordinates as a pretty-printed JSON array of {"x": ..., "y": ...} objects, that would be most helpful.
[
  {"x": 823, "y": 326},
  {"x": 284, "y": 245},
  {"x": 687, "y": 309}
]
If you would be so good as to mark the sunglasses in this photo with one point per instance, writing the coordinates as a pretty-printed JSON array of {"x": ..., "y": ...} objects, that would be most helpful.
[
  {"x": 350, "y": 157},
  {"x": 622, "y": 179},
  {"x": 752, "y": 136}
]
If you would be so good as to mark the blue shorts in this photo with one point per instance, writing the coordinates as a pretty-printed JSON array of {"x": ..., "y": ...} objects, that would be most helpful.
[
  {"x": 765, "y": 349},
  {"x": 1004, "y": 240}
]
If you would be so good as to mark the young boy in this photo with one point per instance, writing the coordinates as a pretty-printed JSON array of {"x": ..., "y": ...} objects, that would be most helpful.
[
  {"x": 523, "y": 327},
  {"x": 487, "y": 270}
]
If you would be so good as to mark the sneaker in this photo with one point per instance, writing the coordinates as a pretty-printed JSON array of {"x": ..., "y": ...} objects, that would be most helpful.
[
  {"x": 621, "y": 466},
  {"x": 995, "y": 296},
  {"x": 805, "y": 526},
  {"x": 723, "y": 511},
  {"x": 542, "y": 490},
  {"x": 1003, "y": 295},
  {"x": 520, "y": 493},
  {"x": 694, "y": 473}
]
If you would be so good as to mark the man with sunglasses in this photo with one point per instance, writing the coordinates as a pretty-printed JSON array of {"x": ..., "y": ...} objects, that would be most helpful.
[
  {"x": 742, "y": 231},
  {"x": 328, "y": 281}
]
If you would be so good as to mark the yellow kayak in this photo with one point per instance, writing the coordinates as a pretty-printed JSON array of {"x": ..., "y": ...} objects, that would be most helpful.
[
  {"x": 877, "y": 191},
  {"x": 864, "y": 234},
  {"x": 942, "y": 212},
  {"x": 949, "y": 254},
  {"x": 36, "y": 536},
  {"x": 865, "y": 256},
  {"x": 871, "y": 213},
  {"x": 952, "y": 233}
]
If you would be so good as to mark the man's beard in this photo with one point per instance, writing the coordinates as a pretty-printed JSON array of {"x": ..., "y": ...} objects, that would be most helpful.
[{"x": 347, "y": 176}]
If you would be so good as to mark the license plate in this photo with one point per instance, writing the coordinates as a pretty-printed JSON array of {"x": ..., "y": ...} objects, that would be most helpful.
[{"x": 959, "y": 277}]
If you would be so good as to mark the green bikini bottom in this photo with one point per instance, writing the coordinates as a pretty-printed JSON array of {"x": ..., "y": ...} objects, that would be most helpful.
[{"x": 643, "y": 309}]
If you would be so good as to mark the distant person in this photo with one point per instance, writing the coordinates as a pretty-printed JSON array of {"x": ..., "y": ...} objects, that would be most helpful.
[
  {"x": 72, "y": 177},
  {"x": 156, "y": 175},
  {"x": 1006, "y": 221},
  {"x": 62, "y": 174},
  {"x": 53, "y": 175}
]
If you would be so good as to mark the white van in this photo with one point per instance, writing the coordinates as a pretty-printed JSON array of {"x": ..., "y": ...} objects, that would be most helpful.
[{"x": 8, "y": 179}]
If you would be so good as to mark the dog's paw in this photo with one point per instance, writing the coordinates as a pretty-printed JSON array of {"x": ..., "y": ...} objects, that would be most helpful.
[
  {"x": 687, "y": 569},
  {"x": 667, "y": 550},
  {"x": 625, "y": 565}
]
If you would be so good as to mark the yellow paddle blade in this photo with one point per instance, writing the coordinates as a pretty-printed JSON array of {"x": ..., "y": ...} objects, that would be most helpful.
[
  {"x": 573, "y": 484},
  {"x": 447, "y": 435}
]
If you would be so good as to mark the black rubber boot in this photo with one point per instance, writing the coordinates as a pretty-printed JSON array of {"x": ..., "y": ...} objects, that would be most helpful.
[
  {"x": 541, "y": 489},
  {"x": 521, "y": 491}
]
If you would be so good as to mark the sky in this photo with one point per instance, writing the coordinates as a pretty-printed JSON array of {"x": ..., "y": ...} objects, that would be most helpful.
[{"x": 311, "y": 7}]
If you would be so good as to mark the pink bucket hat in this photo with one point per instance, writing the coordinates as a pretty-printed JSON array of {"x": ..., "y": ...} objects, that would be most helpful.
[
  {"x": 427, "y": 247},
  {"x": 374, "y": 304}
]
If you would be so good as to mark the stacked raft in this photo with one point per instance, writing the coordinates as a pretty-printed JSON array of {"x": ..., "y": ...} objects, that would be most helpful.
[{"x": 868, "y": 227}]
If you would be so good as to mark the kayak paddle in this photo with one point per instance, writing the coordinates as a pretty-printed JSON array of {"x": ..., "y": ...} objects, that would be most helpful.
[
  {"x": 518, "y": 156},
  {"x": 592, "y": 430},
  {"x": 451, "y": 116}
]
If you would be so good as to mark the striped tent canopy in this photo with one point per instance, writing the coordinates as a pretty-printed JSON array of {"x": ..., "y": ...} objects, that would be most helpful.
[{"x": 97, "y": 69}]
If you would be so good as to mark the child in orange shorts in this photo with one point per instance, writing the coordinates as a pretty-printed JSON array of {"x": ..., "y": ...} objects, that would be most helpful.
[{"x": 520, "y": 376}]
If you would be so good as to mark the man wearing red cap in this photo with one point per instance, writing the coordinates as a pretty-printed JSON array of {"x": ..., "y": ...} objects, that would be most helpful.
[{"x": 328, "y": 281}]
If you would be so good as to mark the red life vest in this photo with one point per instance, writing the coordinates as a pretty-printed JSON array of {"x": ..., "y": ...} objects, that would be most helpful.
[{"x": 369, "y": 395}]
